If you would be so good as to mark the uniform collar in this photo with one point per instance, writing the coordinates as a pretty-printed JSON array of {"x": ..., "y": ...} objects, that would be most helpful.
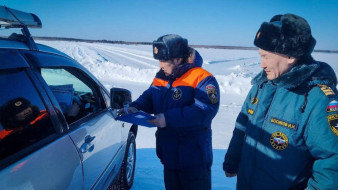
[{"x": 299, "y": 74}]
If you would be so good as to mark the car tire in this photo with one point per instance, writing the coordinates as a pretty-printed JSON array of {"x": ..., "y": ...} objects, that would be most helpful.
[{"x": 127, "y": 171}]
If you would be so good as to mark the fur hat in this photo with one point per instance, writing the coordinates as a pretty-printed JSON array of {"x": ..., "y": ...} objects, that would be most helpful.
[
  {"x": 169, "y": 47},
  {"x": 286, "y": 34},
  {"x": 11, "y": 108}
]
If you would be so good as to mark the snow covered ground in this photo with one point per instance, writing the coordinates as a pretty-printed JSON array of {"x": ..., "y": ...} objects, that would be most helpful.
[{"x": 132, "y": 67}]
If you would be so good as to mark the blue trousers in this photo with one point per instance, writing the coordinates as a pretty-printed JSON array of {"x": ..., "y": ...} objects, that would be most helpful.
[{"x": 184, "y": 180}]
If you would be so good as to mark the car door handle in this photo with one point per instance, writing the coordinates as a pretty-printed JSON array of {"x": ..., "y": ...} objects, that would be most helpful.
[{"x": 87, "y": 146}]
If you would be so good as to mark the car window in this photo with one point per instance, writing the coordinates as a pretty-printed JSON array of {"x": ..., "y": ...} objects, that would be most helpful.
[
  {"x": 75, "y": 95},
  {"x": 24, "y": 119}
]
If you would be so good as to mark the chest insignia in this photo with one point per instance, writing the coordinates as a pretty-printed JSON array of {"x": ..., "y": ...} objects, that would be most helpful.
[
  {"x": 254, "y": 101},
  {"x": 333, "y": 122},
  {"x": 326, "y": 90},
  {"x": 279, "y": 141},
  {"x": 212, "y": 93},
  {"x": 283, "y": 123},
  {"x": 332, "y": 106},
  {"x": 177, "y": 94},
  {"x": 250, "y": 111}
]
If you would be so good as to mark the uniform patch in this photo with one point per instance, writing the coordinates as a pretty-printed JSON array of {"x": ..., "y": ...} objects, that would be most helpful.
[
  {"x": 259, "y": 33},
  {"x": 283, "y": 123},
  {"x": 254, "y": 101},
  {"x": 18, "y": 103},
  {"x": 155, "y": 50},
  {"x": 212, "y": 93},
  {"x": 333, "y": 122},
  {"x": 177, "y": 94},
  {"x": 332, "y": 106},
  {"x": 326, "y": 90},
  {"x": 250, "y": 111},
  {"x": 279, "y": 141}
]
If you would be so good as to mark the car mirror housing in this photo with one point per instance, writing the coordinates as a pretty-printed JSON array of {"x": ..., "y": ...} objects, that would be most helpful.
[{"x": 120, "y": 98}]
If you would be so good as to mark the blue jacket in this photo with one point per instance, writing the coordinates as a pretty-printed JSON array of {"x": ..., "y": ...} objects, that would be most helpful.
[
  {"x": 189, "y": 100},
  {"x": 286, "y": 135}
]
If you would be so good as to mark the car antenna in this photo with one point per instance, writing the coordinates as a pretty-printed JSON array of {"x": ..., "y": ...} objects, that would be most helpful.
[{"x": 25, "y": 32}]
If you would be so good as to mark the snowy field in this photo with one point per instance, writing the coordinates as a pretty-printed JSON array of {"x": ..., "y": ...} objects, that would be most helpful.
[{"x": 133, "y": 67}]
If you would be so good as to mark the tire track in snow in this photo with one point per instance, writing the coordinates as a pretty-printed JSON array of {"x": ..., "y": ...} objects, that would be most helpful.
[{"x": 126, "y": 55}]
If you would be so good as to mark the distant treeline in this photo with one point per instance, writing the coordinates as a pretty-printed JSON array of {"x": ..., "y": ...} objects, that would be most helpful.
[{"x": 150, "y": 43}]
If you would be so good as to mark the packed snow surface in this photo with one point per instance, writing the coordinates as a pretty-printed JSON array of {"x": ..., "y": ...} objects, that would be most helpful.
[{"x": 133, "y": 67}]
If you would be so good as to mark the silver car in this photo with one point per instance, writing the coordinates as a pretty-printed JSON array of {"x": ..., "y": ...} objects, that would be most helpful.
[{"x": 58, "y": 126}]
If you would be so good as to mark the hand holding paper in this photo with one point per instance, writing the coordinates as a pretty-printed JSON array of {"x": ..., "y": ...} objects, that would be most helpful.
[
  {"x": 138, "y": 118},
  {"x": 159, "y": 121}
]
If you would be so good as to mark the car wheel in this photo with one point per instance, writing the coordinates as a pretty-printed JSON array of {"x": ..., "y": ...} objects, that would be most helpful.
[{"x": 127, "y": 171}]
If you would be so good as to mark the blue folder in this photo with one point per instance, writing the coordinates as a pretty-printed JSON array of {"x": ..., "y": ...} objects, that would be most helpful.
[{"x": 138, "y": 118}]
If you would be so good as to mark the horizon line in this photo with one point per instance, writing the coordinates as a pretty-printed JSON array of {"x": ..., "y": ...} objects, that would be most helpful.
[{"x": 150, "y": 43}]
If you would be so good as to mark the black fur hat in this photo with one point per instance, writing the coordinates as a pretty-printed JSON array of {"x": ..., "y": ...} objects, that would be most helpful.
[
  {"x": 287, "y": 34},
  {"x": 169, "y": 47},
  {"x": 10, "y": 109}
]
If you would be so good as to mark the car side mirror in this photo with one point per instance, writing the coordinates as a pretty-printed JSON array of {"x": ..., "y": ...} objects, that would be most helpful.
[{"x": 119, "y": 98}]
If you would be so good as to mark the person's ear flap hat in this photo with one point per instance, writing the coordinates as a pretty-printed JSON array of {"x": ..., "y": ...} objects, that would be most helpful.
[
  {"x": 11, "y": 108},
  {"x": 287, "y": 34},
  {"x": 170, "y": 46}
]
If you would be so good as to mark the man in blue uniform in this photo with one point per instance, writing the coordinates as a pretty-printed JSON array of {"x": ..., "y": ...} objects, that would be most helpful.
[
  {"x": 286, "y": 135},
  {"x": 184, "y": 98}
]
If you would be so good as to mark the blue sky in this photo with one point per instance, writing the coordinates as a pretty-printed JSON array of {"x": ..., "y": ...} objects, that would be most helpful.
[{"x": 202, "y": 22}]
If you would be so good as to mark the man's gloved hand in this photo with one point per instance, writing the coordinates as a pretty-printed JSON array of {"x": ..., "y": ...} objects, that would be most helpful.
[{"x": 159, "y": 121}]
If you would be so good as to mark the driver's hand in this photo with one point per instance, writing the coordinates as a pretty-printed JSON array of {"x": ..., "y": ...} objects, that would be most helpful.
[{"x": 73, "y": 110}]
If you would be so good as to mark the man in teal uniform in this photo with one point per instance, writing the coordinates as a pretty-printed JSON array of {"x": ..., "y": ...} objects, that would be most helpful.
[{"x": 286, "y": 135}]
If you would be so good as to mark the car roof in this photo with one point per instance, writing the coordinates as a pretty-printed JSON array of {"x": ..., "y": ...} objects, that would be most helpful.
[{"x": 19, "y": 45}]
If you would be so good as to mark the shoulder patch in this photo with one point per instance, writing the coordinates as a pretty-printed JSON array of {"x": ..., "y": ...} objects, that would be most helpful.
[
  {"x": 326, "y": 90},
  {"x": 332, "y": 106},
  {"x": 212, "y": 93},
  {"x": 333, "y": 123}
]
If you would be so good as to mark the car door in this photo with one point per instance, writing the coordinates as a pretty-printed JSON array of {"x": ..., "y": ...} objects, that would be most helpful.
[
  {"x": 96, "y": 133},
  {"x": 34, "y": 154}
]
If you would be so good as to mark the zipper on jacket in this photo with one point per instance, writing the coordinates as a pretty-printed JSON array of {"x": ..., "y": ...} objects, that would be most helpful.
[
  {"x": 260, "y": 134},
  {"x": 165, "y": 104}
]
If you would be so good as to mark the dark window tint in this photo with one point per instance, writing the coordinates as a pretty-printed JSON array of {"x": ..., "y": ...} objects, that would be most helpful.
[{"x": 23, "y": 117}]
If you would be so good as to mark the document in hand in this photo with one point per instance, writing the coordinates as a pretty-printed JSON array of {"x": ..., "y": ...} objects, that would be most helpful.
[
  {"x": 63, "y": 94},
  {"x": 138, "y": 118}
]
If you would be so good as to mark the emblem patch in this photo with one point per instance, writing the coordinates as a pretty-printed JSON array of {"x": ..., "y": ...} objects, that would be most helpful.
[
  {"x": 18, "y": 103},
  {"x": 177, "y": 94},
  {"x": 259, "y": 33},
  {"x": 333, "y": 122},
  {"x": 332, "y": 106},
  {"x": 212, "y": 93},
  {"x": 283, "y": 123},
  {"x": 250, "y": 111},
  {"x": 279, "y": 141},
  {"x": 327, "y": 90},
  {"x": 254, "y": 101},
  {"x": 155, "y": 50}
]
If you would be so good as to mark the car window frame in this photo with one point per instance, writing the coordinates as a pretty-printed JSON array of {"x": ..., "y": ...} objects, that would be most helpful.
[
  {"x": 75, "y": 69},
  {"x": 52, "y": 114}
]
